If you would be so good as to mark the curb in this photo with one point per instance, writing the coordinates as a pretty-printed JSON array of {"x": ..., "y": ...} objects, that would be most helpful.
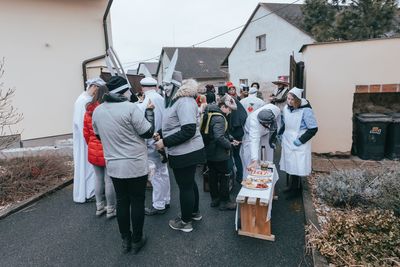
[
  {"x": 17, "y": 207},
  {"x": 311, "y": 216}
]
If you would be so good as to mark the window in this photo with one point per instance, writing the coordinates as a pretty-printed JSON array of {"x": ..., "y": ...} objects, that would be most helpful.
[
  {"x": 260, "y": 43},
  {"x": 244, "y": 81}
]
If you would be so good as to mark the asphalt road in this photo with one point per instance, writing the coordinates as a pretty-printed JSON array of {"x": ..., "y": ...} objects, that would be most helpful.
[{"x": 57, "y": 232}]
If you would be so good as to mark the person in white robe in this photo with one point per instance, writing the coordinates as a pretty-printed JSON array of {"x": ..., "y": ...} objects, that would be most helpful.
[
  {"x": 160, "y": 180},
  {"x": 259, "y": 131},
  {"x": 84, "y": 176},
  {"x": 252, "y": 102}
]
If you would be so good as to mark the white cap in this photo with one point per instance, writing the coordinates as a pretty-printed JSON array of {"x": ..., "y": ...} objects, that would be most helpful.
[
  {"x": 297, "y": 92},
  {"x": 95, "y": 81},
  {"x": 148, "y": 82},
  {"x": 253, "y": 90}
]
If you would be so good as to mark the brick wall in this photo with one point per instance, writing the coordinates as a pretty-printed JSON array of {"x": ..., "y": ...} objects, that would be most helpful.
[{"x": 378, "y": 88}]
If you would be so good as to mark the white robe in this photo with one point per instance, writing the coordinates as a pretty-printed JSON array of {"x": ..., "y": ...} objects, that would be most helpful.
[
  {"x": 256, "y": 136},
  {"x": 160, "y": 181},
  {"x": 252, "y": 103},
  {"x": 84, "y": 176}
]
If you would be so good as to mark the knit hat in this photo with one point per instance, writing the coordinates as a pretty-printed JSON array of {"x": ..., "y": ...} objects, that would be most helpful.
[
  {"x": 228, "y": 101},
  {"x": 297, "y": 92},
  {"x": 229, "y": 84},
  {"x": 266, "y": 116},
  {"x": 148, "y": 82},
  {"x": 117, "y": 84},
  {"x": 253, "y": 90}
]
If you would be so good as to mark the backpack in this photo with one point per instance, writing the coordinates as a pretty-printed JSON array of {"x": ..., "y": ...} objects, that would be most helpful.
[{"x": 205, "y": 125}]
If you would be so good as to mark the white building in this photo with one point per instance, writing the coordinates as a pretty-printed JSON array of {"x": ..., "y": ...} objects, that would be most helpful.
[
  {"x": 262, "y": 50},
  {"x": 61, "y": 41}
]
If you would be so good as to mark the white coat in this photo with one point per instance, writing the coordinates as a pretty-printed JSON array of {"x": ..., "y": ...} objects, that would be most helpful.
[
  {"x": 160, "y": 181},
  {"x": 295, "y": 160},
  {"x": 252, "y": 103},
  {"x": 255, "y": 136},
  {"x": 84, "y": 176}
]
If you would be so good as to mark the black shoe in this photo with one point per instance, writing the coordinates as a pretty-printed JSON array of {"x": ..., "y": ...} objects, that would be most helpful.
[
  {"x": 153, "y": 211},
  {"x": 167, "y": 206},
  {"x": 214, "y": 203},
  {"x": 138, "y": 245},
  {"x": 126, "y": 244},
  {"x": 227, "y": 205}
]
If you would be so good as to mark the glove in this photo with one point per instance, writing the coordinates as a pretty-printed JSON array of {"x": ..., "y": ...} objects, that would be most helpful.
[{"x": 297, "y": 142}]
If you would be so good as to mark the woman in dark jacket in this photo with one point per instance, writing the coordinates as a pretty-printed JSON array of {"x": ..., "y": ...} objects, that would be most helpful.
[
  {"x": 218, "y": 153},
  {"x": 185, "y": 148}
]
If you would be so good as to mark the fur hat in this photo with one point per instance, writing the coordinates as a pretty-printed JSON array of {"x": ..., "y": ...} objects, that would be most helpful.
[
  {"x": 253, "y": 90},
  {"x": 117, "y": 84},
  {"x": 228, "y": 101},
  {"x": 297, "y": 92},
  {"x": 210, "y": 88}
]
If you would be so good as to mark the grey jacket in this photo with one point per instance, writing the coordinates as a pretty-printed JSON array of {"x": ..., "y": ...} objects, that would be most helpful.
[{"x": 218, "y": 149}]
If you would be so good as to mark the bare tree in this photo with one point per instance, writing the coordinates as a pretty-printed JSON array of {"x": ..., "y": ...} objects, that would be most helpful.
[{"x": 9, "y": 115}]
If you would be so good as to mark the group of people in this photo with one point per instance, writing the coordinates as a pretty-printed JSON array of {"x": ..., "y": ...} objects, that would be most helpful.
[{"x": 118, "y": 135}]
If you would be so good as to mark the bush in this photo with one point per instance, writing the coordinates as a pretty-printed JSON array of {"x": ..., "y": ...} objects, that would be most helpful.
[
  {"x": 379, "y": 187},
  {"x": 344, "y": 187},
  {"x": 21, "y": 178},
  {"x": 359, "y": 238}
]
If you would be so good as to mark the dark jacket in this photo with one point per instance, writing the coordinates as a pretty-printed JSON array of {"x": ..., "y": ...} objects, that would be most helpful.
[
  {"x": 236, "y": 120},
  {"x": 218, "y": 149}
]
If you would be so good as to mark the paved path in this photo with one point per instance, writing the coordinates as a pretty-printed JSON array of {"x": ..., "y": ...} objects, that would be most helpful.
[{"x": 57, "y": 232}]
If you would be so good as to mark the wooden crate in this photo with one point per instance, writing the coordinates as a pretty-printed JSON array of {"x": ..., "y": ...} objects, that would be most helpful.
[{"x": 253, "y": 218}]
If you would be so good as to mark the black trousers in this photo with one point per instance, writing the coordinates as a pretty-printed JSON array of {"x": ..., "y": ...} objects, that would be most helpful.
[
  {"x": 188, "y": 191},
  {"x": 130, "y": 195},
  {"x": 238, "y": 162},
  {"x": 218, "y": 180}
]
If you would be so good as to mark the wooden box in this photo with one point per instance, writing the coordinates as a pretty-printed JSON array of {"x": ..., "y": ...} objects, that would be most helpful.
[{"x": 253, "y": 218}]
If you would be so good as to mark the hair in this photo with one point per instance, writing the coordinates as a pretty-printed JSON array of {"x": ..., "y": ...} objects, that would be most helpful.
[
  {"x": 297, "y": 101},
  {"x": 255, "y": 84},
  {"x": 98, "y": 95},
  {"x": 210, "y": 97}
]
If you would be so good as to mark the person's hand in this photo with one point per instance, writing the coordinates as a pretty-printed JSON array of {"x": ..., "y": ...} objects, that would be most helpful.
[
  {"x": 156, "y": 136},
  {"x": 252, "y": 166},
  {"x": 272, "y": 145},
  {"x": 235, "y": 142},
  {"x": 279, "y": 138},
  {"x": 150, "y": 105},
  {"x": 159, "y": 144},
  {"x": 297, "y": 142}
]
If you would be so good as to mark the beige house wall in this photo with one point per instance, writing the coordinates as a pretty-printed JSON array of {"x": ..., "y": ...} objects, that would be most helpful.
[
  {"x": 332, "y": 72},
  {"x": 44, "y": 43}
]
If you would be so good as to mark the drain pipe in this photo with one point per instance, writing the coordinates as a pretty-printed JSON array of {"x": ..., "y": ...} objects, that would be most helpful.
[{"x": 87, "y": 61}]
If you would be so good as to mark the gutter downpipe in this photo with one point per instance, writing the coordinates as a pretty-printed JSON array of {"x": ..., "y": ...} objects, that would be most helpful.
[{"x": 87, "y": 61}]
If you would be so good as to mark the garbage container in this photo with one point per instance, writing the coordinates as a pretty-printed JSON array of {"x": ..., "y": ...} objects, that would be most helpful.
[
  {"x": 371, "y": 135},
  {"x": 392, "y": 150}
]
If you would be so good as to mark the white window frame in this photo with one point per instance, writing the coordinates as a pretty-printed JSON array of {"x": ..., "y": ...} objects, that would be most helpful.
[
  {"x": 244, "y": 81},
  {"x": 261, "y": 43}
]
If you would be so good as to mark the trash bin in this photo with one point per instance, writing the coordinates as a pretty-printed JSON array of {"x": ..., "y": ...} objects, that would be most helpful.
[
  {"x": 371, "y": 131},
  {"x": 392, "y": 150}
]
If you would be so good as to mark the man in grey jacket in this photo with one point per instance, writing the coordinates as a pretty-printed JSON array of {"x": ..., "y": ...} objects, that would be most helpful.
[
  {"x": 218, "y": 147},
  {"x": 122, "y": 129}
]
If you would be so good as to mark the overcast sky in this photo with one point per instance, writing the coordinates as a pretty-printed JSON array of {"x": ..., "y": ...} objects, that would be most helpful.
[{"x": 141, "y": 28}]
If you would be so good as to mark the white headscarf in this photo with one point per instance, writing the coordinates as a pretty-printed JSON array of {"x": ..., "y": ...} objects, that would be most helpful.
[
  {"x": 95, "y": 81},
  {"x": 297, "y": 92}
]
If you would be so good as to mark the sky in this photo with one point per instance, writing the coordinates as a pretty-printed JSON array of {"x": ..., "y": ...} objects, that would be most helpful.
[{"x": 141, "y": 28}]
